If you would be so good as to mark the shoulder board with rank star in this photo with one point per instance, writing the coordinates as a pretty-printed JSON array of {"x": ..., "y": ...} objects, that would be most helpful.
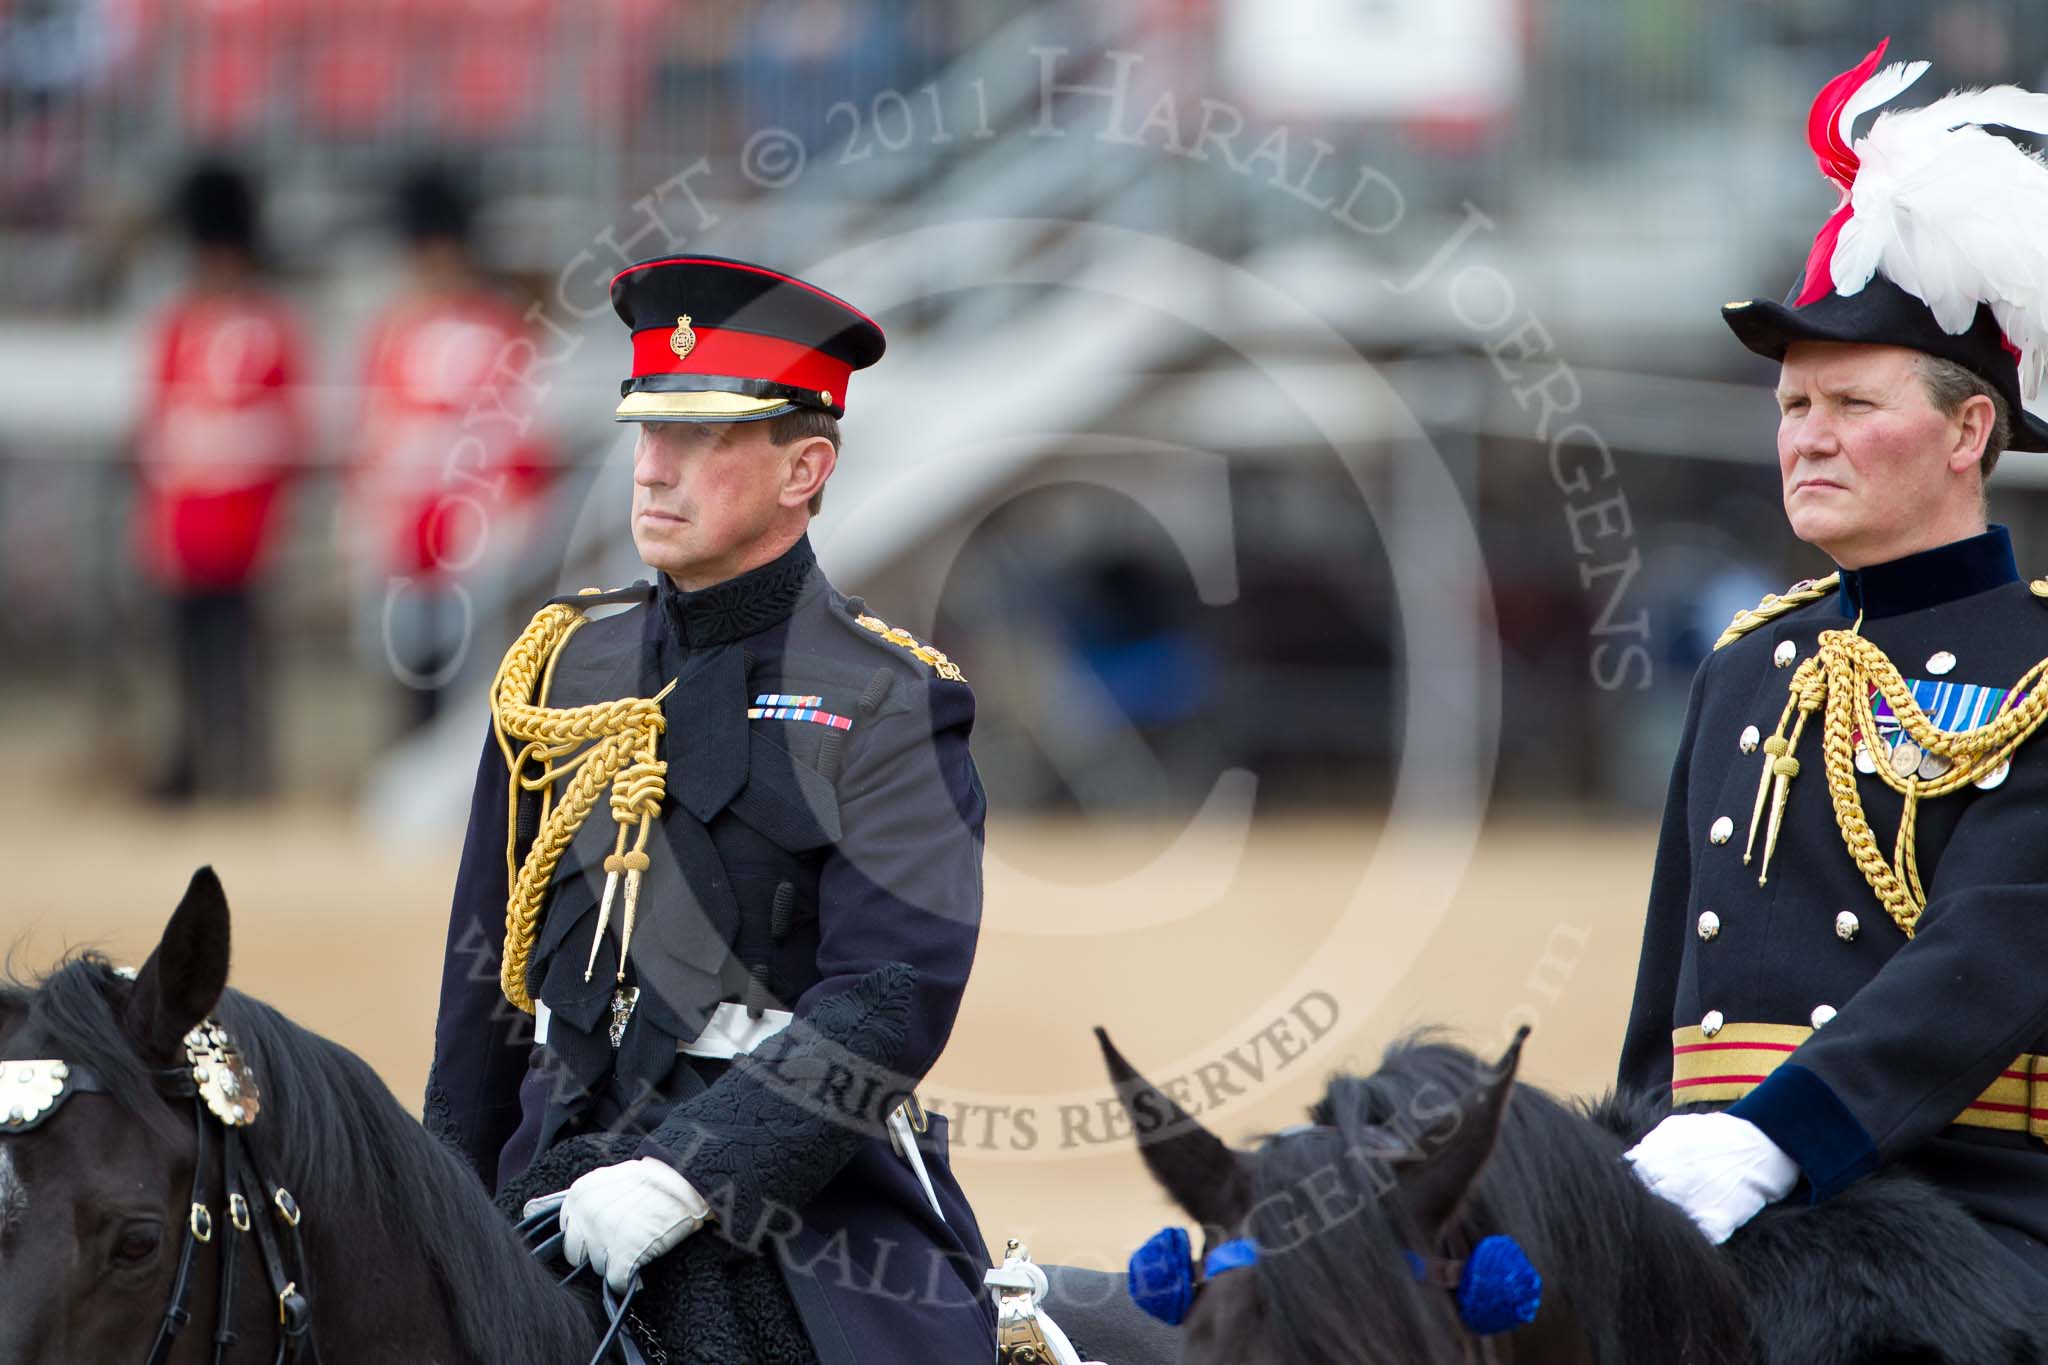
[
  {"x": 903, "y": 639},
  {"x": 1776, "y": 604}
]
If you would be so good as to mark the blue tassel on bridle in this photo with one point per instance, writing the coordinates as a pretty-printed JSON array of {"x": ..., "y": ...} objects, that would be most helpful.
[
  {"x": 1162, "y": 1276},
  {"x": 1497, "y": 1288}
]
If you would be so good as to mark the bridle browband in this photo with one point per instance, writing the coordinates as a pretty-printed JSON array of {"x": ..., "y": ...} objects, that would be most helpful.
[{"x": 223, "y": 1093}]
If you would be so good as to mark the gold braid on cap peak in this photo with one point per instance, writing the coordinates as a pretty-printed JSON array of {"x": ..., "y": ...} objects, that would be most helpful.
[
  {"x": 611, "y": 743},
  {"x": 1776, "y": 604},
  {"x": 903, "y": 639},
  {"x": 1846, "y": 675}
]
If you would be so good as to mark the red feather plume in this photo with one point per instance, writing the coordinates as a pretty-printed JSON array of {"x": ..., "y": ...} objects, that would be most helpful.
[{"x": 1838, "y": 162}]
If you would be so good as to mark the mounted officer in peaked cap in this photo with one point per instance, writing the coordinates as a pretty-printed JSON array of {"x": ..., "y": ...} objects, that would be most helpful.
[
  {"x": 1850, "y": 903},
  {"x": 725, "y": 848}
]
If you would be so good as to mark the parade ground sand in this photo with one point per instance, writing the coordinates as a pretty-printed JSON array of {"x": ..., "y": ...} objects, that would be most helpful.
[{"x": 1249, "y": 973}]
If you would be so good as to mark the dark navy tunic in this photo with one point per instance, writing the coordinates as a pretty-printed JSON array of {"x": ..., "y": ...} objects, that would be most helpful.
[
  {"x": 1911, "y": 1032},
  {"x": 823, "y": 819}
]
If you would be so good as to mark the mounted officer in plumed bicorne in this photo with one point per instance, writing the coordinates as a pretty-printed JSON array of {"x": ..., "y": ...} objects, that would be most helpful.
[{"x": 1850, "y": 905}]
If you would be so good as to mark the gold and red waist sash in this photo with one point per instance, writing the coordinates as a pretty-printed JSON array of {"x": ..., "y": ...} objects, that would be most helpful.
[{"x": 1735, "y": 1060}]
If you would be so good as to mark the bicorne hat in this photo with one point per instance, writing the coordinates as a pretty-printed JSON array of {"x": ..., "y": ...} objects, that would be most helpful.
[
  {"x": 717, "y": 340},
  {"x": 1940, "y": 242}
]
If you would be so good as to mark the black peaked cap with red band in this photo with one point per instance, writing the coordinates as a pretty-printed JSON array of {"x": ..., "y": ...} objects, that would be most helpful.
[
  {"x": 1925, "y": 253},
  {"x": 718, "y": 340}
]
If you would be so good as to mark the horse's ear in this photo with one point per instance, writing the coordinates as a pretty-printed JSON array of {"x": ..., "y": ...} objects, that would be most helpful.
[
  {"x": 1434, "y": 1189},
  {"x": 1203, "y": 1175},
  {"x": 186, "y": 974}
]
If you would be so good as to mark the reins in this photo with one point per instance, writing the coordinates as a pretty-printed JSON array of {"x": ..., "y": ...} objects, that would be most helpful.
[{"x": 542, "y": 1232}]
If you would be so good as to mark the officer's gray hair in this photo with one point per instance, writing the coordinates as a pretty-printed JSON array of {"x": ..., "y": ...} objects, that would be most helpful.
[
  {"x": 1950, "y": 385},
  {"x": 803, "y": 424}
]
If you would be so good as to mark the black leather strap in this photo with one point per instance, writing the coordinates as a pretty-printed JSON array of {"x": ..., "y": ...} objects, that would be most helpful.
[
  {"x": 751, "y": 388},
  {"x": 235, "y": 1217},
  {"x": 293, "y": 1296},
  {"x": 542, "y": 1233},
  {"x": 198, "y": 1229}
]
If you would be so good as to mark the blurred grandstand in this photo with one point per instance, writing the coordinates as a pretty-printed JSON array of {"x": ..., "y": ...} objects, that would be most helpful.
[{"x": 1112, "y": 462}]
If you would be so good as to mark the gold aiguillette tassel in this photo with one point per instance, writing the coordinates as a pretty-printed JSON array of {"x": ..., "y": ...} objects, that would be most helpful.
[
  {"x": 1785, "y": 769},
  {"x": 1809, "y": 691},
  {"x": 1774, "y": 749}
]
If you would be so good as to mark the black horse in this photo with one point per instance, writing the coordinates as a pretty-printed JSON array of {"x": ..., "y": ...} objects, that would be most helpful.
[
  {"x": 405, "y": 1259},
  {"x": 393, "y": 1248},
  {"x": 1362, "y": 1220}
]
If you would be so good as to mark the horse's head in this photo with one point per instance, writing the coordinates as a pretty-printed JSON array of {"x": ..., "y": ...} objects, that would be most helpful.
[
  {"x": 93, "y": 1186},
  {"x": 1327, "y": 1242}
]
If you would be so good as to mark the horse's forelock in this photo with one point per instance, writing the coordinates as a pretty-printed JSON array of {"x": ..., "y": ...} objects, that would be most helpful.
[
  {"x": 73, "y": 1015},
  {"x": 1332, "y": 1250}
]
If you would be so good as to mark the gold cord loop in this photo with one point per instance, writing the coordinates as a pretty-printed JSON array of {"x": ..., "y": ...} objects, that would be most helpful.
[
  {"x": 1843, "y": 679},
  {"x": 580, "y": 751}
]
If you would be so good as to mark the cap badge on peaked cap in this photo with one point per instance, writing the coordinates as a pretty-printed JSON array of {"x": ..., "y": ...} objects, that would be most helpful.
[{"x": 719, "y": 340}]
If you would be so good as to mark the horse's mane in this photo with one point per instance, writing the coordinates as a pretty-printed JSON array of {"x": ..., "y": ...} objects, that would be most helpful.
[
  {"x": 332, "y": 1132},
  {"x": 1633, "y": 1266}
]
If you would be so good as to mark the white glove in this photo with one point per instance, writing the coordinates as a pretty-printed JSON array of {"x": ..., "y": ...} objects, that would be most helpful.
[
  {"x": 1719, "y": 1168},
  {"x": 621, "y": 1217}
]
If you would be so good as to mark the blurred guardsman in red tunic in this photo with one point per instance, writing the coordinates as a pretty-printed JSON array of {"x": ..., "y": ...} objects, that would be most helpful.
[
  {"x": 447, "y": 455},
  {"x": 224, "y": 432}
]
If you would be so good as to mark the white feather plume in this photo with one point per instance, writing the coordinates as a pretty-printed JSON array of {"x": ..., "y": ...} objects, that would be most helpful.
[
  {"x": 1882, "y": 88},
  {"x": 1955, "y": 215}
]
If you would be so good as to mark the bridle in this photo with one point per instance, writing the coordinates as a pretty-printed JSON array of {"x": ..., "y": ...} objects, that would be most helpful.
[
  {"x": 223, "y": 1094},
  {"x": 1493, "y": 1286}
]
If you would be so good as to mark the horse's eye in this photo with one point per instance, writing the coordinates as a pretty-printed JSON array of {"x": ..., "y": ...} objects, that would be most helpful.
[{"x": 137, "y": 1243}]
